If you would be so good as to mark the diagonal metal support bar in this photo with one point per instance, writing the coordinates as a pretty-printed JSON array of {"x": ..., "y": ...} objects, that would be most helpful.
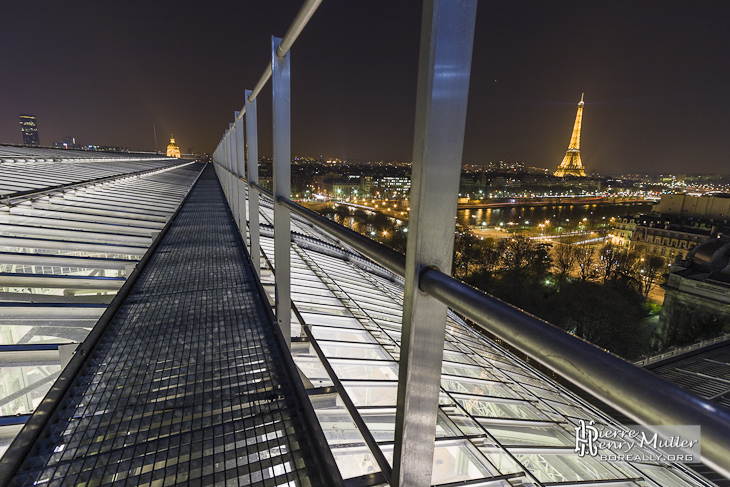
[{"x": 447, "y": 34}]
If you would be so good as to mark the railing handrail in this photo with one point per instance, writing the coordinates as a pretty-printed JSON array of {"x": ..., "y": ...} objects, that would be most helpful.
[
  {"x": 300, "y": 21},
  {"x": 377, "y": 252},
  {"x": 639, "y": 394}
]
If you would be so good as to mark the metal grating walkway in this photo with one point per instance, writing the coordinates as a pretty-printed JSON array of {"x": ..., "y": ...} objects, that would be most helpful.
[{"x": 186, "y": 386}]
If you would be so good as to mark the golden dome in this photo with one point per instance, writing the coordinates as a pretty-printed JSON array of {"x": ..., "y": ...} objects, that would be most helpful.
[{"x": 172, "y": 149}]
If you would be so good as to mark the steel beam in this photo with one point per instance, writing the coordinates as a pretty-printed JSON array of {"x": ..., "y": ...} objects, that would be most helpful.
[
  {"x": 280, "y": 81},
  {"x": 253, "y": 177},
  {"x": 73, "y": 246},
  {"x": 447, "y": 33}
]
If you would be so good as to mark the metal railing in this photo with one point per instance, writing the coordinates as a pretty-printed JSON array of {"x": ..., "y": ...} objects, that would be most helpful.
[
  {"x": 682, "y": 350},
  {"x": 446, "y": 42}
]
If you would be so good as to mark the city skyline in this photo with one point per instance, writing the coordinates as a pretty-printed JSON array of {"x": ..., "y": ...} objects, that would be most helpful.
[{"x": 653, "y": 75}]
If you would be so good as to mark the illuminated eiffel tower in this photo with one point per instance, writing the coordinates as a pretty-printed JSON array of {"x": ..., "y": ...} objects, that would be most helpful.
[{"x": 571, "y": 165}]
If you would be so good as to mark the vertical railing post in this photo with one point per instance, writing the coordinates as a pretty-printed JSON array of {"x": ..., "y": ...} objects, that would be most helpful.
[
  {"x": 447, "y": 33},
  {"x": 229, "y": 175},
  {"x": 282, "y": 185},
  {"x": 218, "y": 162},
  {"x": 241, "y": 172},
  {"x": 224, "y": 165},
  {"x": 252, "y": 138},
  {"x": 234, "y": 169}
]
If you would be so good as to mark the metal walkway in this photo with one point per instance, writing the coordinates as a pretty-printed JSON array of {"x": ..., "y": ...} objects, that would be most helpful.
[{"x": 186, "y": 387}]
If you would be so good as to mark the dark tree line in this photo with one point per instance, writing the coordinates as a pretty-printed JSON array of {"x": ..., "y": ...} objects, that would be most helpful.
[{"x": 598, "y": 294}]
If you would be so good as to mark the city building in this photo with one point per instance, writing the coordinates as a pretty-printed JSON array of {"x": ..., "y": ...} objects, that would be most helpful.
[
  {"x": 172, "y": 149},
  {"x": 623, "y": 230},
  {"x": 571, "y": 164},
  {"x": 669, "y": 240},
  {"x": 392, "y": 187},
  {"x": 697, "y": 295},
  {"x": 714, "y": 207},
  {"x": 29, "y": 129}
]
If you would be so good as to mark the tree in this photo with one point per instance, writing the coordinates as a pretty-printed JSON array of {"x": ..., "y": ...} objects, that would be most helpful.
[
  {"x": 564, "y": 259},
  {"x": 524, "y": 258},
  {"x": 491, "y": 256},
  {"x": 651, "y": 269},
  {"x": 609, "y": 317},
  {"x": 607, "y": 260},
  {"x": 626, "y": 272},
  {"x": 467, "y": 252},
  {"x": 585, "y": 258},
  {"x": 397, "y": 240}
]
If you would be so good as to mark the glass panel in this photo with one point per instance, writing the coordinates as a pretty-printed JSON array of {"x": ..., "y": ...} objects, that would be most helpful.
[
  {"x": 326, "y": 320},
  {"x": 478, "y": 407},
  {"x": 341, "y": 335},
  {"x": 476, "y": 387},
  {"x": 372, "y": 393},
  {"x": 358, "y": 369},
  {"x": 531, "y": 435},
  {"x": 352, "y": 350},
  {"x": 504, "y": 463},
  {"x": 348, "y": 446},
  {"x": 567, "y": 468},
  {"x": 455, "y": 461}
]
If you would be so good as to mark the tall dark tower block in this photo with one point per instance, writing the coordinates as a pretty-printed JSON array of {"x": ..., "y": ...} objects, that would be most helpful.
[{"x": 29, "y": 128}]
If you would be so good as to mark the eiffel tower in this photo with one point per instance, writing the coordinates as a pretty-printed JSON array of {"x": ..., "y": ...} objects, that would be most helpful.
[{"x": 571, "y": 165}]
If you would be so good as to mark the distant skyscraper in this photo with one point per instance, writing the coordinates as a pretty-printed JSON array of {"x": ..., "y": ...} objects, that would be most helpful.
[
  {"x": 29, "y": 128},
  {"x": 572, "y": 165},
  {"x": 172, "y": 149}
]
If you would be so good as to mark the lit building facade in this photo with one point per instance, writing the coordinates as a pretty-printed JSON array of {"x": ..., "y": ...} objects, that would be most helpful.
[
  {"x": 172, "y": 149},
  {"x": 670, "y": 241},
  {"x": 697, "y": 299},
  {"x": 623, "y": 231},
  {"x": 29, "y": 128},
  {"x": 394, "y": 186},
  {"x": 714, "y": 207}
]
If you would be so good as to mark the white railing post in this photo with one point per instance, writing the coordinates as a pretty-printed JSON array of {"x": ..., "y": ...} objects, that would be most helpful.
[
  {"x": 229, "y": 164},
  {"x": 224, "y": 166},
  {"x": 447, "y": 33},
  {"x": 240, "y": 172},
  {"x": 234, "y": 170},
  {"x": 282, "y": 185},
  {"x": 252, "y": 138}
]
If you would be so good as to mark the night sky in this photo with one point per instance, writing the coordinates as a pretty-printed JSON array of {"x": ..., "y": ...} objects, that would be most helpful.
[{"x": 656, "y": 77}]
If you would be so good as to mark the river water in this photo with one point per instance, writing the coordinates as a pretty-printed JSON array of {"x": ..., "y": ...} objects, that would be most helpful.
[
  {"x": 564, "y": 215},
  {"x": 555, "y": 218}
]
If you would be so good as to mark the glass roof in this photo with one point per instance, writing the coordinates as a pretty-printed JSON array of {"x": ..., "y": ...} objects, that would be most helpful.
[
  {"x": 65, "y": 254},
  {"x": 498, "y": 418}
]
